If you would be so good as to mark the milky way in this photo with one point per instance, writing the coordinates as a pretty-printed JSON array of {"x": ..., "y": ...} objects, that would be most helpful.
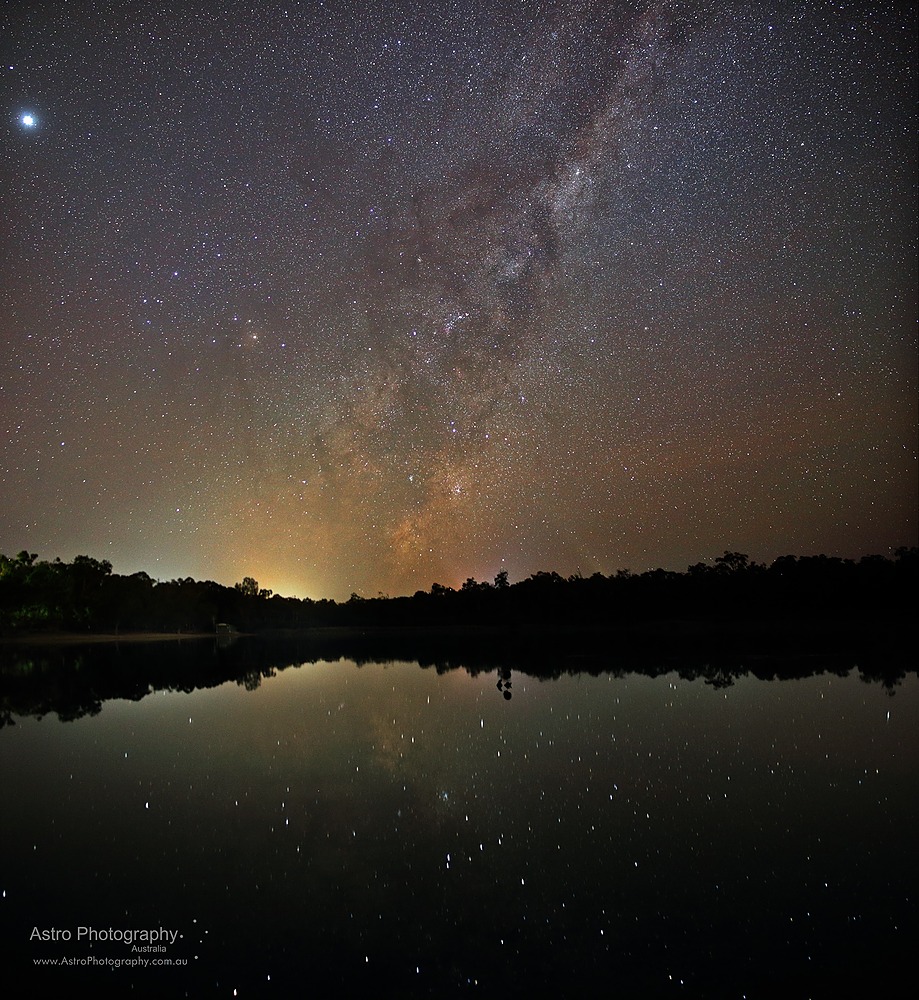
[{"x": 364, "y": 297}]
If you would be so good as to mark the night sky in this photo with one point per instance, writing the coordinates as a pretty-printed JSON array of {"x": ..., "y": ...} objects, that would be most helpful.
[{"x": 364, "y": 296}]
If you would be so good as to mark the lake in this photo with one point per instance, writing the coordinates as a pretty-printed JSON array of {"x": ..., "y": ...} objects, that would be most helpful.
[{"x": 386, "y": 829}]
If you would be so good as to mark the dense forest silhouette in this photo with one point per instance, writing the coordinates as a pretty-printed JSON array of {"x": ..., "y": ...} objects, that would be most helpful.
[{"x": 86, "y": 596}]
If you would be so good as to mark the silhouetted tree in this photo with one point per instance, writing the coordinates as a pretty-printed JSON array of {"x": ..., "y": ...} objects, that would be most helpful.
[{"x": 732, "y": 562}]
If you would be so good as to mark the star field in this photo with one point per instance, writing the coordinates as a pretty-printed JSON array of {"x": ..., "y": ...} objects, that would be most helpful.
[{"x": 359, "y": 297}]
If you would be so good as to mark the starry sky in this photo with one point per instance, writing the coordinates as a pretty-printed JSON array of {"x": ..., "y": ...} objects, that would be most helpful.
[{"x": 357, "y": 297}]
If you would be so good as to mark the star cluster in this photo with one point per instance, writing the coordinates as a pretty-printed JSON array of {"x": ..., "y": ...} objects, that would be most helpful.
[{"x": 357, "y": 297}]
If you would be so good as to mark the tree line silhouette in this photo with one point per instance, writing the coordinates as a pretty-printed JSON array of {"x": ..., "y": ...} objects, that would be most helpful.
[{"x": 86, "y": 596}]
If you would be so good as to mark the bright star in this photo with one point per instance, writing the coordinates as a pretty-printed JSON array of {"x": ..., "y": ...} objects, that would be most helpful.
[{"x": 28, "y": 121}]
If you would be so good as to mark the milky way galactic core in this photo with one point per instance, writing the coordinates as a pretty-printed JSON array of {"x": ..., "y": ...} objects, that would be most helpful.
[{"x": 357, "y": 298}]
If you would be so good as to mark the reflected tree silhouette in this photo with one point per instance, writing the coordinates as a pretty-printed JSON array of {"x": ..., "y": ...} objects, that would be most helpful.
[{"x": 76, "y": 680}]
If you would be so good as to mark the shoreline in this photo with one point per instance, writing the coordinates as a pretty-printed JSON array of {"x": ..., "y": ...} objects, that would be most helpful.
[
  {"x": 86, "y": 638},
  {"x": 892, "y": 631}
]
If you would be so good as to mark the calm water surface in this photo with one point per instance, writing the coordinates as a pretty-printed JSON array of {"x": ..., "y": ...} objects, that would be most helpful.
[{"x": 389, "y": 830}]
